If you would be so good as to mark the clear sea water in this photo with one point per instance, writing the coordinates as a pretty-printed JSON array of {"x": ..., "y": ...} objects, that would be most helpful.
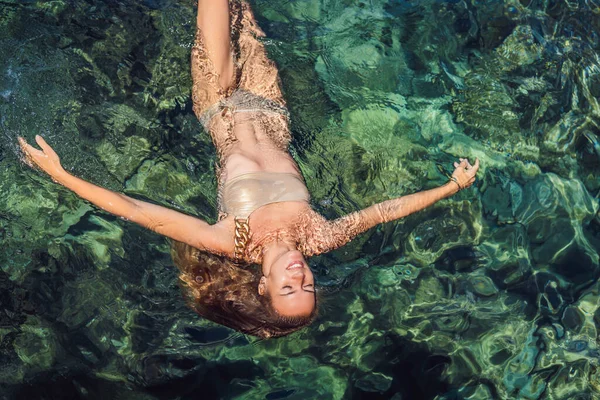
[{"x": 491, "y": 294}]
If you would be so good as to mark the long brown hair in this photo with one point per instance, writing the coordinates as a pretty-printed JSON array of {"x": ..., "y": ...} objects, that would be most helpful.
[{"x": 227, "y": 293}]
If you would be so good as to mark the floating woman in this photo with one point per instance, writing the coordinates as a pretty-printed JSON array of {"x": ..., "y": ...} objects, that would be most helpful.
[{"x": 248, "y": 271}]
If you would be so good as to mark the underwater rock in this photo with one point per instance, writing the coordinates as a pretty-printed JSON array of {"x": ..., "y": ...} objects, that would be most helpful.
[
  {"x": 382, "y": 135},
  {"x": 505, "y": 252},
  {"x": 501, "y": 197},
  {"x": 478, "y": 392},
  {"x": 80, "y": 299},
  {"x": 374, "y": 382},
  {"x": 31, "y": 216},
  {"x": 551, "y": 301},
  {"x": 516, "y": 377},
  {"x": 167, "y": 81},
  {"x": 566, "y": 249},
  {"x": 459, "y": 259},
  {"x": 519, "y": 49},
  {"x": 482, "y": 286},
  {"x": 488, "y": 353},
  {"x": 299, "y": 11},
  {"x": 429, "y": 290},
  {"x": 102, "y": 237},
  {"x": 563, "y": 137},
  {"x": 376, "y": 284},
  {"x": 380, "y": 287},
  {"x": 444, "y": 228},
  {"x": 496, "y": 201},
  {"x": 570, "y": 380},
  {"x": 123, "y": 160},
  {"x": 573, "y": 318},
  {"x": 158, "y": 370},
  {"x": 487, "y": 108},
  {"x": 361, "y": 61},
  {"x": 406, "y": 272},
  {"x": 165, "y": 178},
  {"x": 36, "y": 345},
  {"x": 554, "y": 211}
]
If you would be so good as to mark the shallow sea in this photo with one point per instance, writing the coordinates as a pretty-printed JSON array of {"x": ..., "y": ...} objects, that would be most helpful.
[{"x": 491, "y": 294}]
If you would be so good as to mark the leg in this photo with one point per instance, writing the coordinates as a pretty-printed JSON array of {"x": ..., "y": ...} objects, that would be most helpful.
[
  {"x": 212, "y": 61},
  {"x": 259, "y": 74},
  {"x": 213, "y": 23},
  {"x": 228, "y": 55}
]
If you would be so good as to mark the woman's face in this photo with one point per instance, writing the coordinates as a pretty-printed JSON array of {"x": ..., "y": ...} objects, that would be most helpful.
[{"x": 290, "y": 284}]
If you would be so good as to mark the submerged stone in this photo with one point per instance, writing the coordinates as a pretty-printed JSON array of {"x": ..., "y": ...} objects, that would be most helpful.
[
  {"x": 483, "y": 286},
  {"x": 374, "y": 382},
  {"x": 36, "y": 345}
]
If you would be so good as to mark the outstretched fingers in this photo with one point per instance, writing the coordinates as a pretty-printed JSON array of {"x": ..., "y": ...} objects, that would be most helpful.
[
  {"x": 45, "y": 146},
  {"x": 471, "y": 170},
  {"x": 464, "y": 163},
  {"x": 29, "y": 149},
  {"x": 461, "y": 163},
  {"x": 464, "y": 173}
]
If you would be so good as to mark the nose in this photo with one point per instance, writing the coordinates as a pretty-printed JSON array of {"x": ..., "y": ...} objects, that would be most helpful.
[{"x": 298, "y": 275}]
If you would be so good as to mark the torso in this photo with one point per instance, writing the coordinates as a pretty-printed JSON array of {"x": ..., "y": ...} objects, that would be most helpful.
[{"x": 255, "y": 152}]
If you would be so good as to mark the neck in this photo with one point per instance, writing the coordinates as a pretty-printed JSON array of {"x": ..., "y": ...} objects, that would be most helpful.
[{"x": 272, "y": 251}]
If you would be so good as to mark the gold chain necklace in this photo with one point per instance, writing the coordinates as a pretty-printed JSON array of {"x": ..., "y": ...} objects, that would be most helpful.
[{"x": 240, "y": 238}]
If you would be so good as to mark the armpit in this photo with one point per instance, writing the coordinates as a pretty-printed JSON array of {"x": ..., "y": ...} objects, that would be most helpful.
[{"x": 220, "y": 239}]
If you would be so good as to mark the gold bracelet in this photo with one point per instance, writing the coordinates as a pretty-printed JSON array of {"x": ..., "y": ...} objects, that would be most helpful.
[{"x": 453, "y": 179}]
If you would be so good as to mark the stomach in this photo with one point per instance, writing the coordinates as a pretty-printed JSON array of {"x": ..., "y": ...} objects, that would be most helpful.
[{"x": 256, "y": 150}]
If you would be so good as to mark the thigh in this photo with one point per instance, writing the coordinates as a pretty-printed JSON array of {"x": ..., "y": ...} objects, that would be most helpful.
[
  {"x": 206, "y": 89},
  {"x": 252, "y": 69},
  {"x": 258, "y": 73}
]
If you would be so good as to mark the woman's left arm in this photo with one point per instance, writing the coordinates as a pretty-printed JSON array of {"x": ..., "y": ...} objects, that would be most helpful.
[{"x": 338, "y": 232}]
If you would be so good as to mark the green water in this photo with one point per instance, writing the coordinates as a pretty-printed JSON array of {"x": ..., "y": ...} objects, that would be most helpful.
[{"x": 491, "y": 294}]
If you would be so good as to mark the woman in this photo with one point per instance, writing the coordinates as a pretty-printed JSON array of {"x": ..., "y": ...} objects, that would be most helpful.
[{"x": 264, "y": 212}]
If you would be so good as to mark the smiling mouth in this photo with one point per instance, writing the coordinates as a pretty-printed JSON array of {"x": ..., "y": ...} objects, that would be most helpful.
[{"x": 295, "y": 265}]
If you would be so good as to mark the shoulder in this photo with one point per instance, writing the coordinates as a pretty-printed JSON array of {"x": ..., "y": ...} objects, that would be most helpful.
[{"x": 312, "y": 232}]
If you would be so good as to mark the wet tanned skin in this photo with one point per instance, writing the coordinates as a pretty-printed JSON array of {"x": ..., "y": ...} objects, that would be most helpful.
[{"x": 288, "y": 280}]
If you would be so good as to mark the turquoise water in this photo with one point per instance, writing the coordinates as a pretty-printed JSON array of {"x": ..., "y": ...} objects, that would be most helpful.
[{"x": 491, "y": 294}]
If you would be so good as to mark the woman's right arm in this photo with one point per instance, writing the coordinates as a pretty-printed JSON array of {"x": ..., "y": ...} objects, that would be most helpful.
[{"x": 162, "y": 220}]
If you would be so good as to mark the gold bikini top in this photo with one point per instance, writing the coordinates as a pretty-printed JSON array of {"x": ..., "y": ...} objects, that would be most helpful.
[{"x": 244, "y": 194}]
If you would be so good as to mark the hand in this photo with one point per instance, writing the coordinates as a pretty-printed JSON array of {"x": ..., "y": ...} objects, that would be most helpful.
[
  {"x": 46, "y": 159},
  {"x": 464, "y": 173}
]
